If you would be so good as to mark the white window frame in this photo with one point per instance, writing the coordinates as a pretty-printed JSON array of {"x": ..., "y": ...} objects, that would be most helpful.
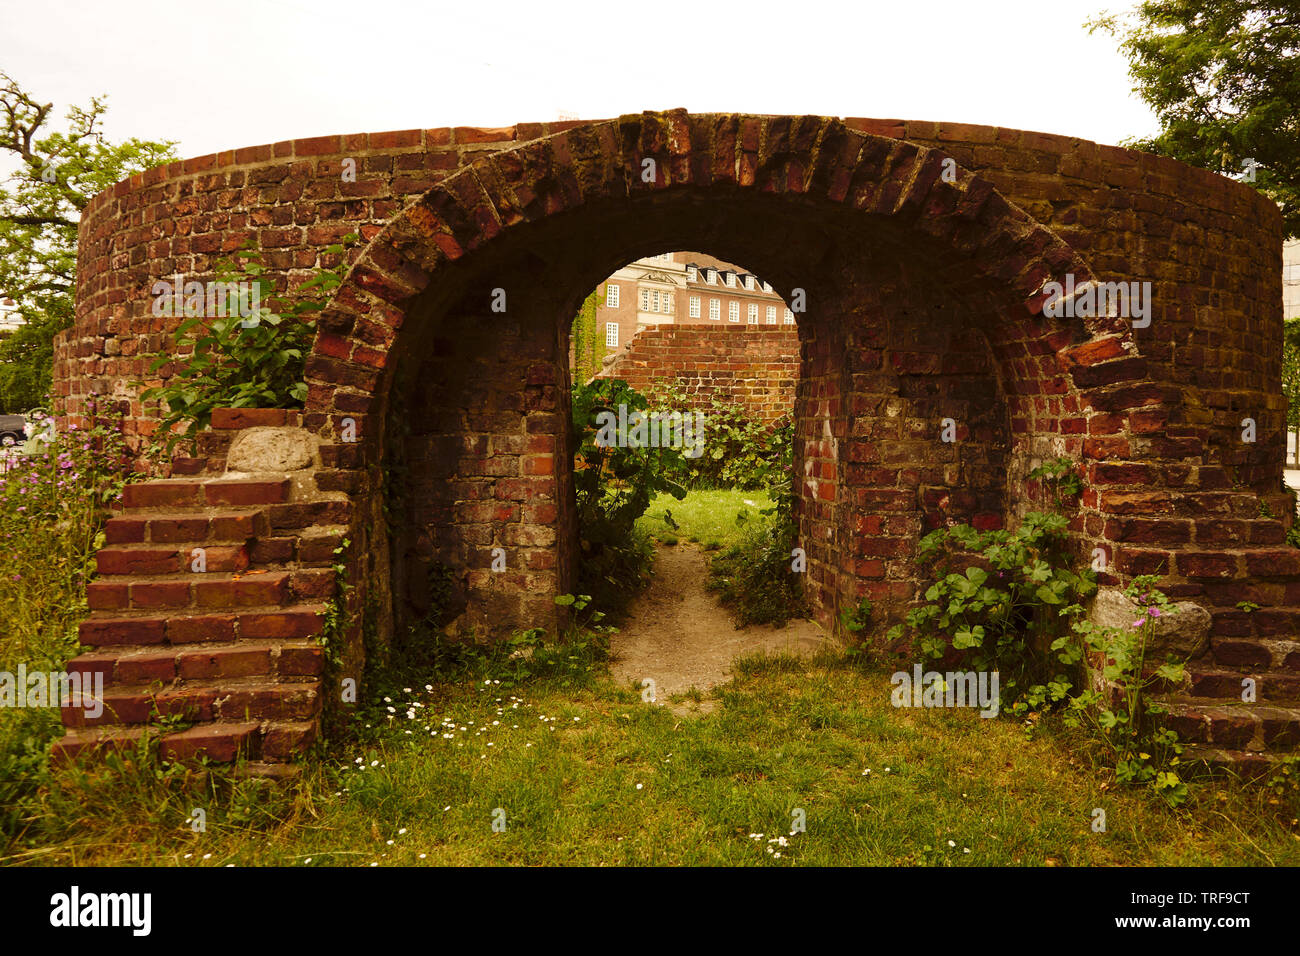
[
  {"x": 733, "y": 311},
  {"x": 749, "y": 283},
  {"x": 771, "y": 315},
  {"x": 695, "y": 307},
  {"x": 645, "y": 300},
  {"x": 731, "y": 280},
  {"x": 789, "y": 317},
  {"x": 751, "y": 314},
  {"x": 715, "y": 309},
  {"x": 611, "y": 335},
  {"x": 711, "y": 276},
  {"x": 611, "y": 295},
  {"x": 767, "y": 287},
  {"x": 692, "y": 274}
]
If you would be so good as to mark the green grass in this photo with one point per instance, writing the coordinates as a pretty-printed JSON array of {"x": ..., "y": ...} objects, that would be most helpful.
[
  {"x": 707, "y": 518},
  {"x": 590, "y": 775}
]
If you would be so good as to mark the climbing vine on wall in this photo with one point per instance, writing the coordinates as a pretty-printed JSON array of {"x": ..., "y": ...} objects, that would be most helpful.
[{"x": 587, "y": 348}]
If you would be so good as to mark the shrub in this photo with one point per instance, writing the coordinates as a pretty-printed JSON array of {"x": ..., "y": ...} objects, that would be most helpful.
[
  {"x": 755, "y": 577},
  {"x": 996, "y": 597},
  {"x": 739, "y": 452},
  {"x": 234, "y": 362},
  {"x": 613, "y": 487}
]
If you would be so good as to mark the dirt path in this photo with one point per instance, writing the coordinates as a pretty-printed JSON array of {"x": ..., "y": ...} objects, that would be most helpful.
[{"x": 677, "y": 634}]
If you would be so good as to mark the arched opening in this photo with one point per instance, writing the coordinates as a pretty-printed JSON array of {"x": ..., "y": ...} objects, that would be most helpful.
[{"x": 928, "y": 387}]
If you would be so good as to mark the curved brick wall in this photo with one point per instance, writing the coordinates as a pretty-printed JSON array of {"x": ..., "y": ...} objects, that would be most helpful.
[
  {"x": 290, "y": 196},
  {"x": 923, "y": 248}
]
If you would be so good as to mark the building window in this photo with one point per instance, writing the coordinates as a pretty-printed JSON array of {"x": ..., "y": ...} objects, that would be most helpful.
[
  {"x": 752, "y": 317},
  {"x": 767, "y": 287},
  {"x": 711, "y": 276},
  {"x": 715, "y": 310},
  {"x": 771, "y": 315},
  {"x": 733, "y": 312},
  {"x": 789, "y": 317},
  {"x": 611, "y": 334},
  {"x": 749, "y": 283},
  {"x": 731, "y": 280},
  {"x": 654, "y": 300},
  {"x": 692, "y": 274},
  {"x": 645, "y": 300},
  {"x": 611, "y": 295},
  {"x": 668, "y": 303},
  {"x": 695, "y": 307}
]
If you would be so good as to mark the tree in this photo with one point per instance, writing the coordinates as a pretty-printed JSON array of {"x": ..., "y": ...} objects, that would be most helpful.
[
  {"x": 1223, "y": 77},
  {"x": 41, "y": 201}
]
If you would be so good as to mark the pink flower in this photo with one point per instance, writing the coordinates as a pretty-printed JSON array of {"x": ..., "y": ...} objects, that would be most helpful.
[
  {"x": 1153, "y": 611},
  {"x": 1139, "y": 622}
]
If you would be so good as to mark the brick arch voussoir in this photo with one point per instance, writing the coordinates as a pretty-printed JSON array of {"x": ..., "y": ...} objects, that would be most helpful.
[{"x": 811, "y": 156}]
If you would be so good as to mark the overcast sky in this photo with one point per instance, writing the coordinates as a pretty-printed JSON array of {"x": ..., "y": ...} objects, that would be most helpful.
[{"x": 218, "y": 75}]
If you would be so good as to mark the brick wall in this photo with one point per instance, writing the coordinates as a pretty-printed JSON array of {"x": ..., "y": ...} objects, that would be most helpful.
[
  {"x": 924, "y": 306},
  {"x": 294, "y": 198},
  {"x": 755, "y": 367}
]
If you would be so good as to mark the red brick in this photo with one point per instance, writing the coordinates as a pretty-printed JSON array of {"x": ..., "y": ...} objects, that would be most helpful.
[
  {"x": 205, "y": 627},
  {"x": 98, "y": 632},
  {"x": 248, "y": 591},
  {"x": 289, "y": 624},
  {"x": 248, "y": 491},
  {"x": 224, "y": 662},
  {"x": 220, "y": 742}
]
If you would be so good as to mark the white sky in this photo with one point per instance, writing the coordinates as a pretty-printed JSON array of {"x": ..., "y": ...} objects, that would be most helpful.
[{"x": 229, "y": 73}]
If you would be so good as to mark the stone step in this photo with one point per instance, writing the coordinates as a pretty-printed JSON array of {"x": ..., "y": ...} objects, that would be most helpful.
[
  {"x": 263, "y": 742},
  {"x": 147, "y": 630},
  {"x": 235, "y": 526},
  {"x": 202, "y": 702},
  {"x": 129, "y": 665},
  {"x": 174, "y": 494},
  {"x": 212, "y": 590},
  {"x": 1206, "y": 680},
  {"x": 1232, "y": 725},
  {"x": 145, "y": 559}
]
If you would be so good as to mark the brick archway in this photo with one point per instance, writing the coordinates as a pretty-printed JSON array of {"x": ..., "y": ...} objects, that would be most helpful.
[
  {"x": 925, "y": 289},
  {"x": 923, "y": 250}
]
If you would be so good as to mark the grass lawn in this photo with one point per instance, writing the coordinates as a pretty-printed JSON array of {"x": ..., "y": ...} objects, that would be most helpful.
[
  {"x": 707, "y": 518},
  {"x": 592, "y": 775}
]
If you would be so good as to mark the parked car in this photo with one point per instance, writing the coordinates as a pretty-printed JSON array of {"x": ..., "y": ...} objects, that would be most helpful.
[{"x": 13, "y": 430}]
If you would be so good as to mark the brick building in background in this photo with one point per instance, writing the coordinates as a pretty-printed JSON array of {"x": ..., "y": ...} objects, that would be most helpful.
[
  {"x": 684, "y": 288},
  {"x": 1291, "y": 279}
]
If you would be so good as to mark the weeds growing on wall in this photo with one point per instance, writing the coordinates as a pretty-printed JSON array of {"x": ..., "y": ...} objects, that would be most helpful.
[
  {"x": 1013, "y": 602},
  {"x": 231, "y": 361}
]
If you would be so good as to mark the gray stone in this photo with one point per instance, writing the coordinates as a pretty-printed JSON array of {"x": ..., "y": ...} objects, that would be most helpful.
[
  {"x": 1184, "y": 632},
  {"x": 271, "y": 449}
]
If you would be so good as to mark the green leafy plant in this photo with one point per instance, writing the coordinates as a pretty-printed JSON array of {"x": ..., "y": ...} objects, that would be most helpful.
[
  {"x": 996, "y": 600},
  {"x": 755, "y": 577},
  {"x": 613, "y": 485},
  {"x": 741, "y": 451},
  {"x": 855, "y": 619},
  {"x": 233, "y": 361},
  {"x": 1122, "y": 711}
]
